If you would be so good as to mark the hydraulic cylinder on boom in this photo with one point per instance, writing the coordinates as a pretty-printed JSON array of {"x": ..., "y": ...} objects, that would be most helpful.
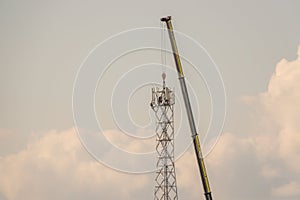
[{"x": 196, "y": 141}]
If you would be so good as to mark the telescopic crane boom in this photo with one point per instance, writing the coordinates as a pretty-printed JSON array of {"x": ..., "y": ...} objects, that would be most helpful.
[{"x": 187, "y": 103}]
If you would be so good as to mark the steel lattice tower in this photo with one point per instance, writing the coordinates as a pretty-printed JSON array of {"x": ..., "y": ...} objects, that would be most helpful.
[{"x": 163, "y": 100}]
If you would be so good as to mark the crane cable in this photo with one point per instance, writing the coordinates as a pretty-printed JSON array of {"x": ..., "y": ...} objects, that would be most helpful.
[{"x": 163, "y": 51}]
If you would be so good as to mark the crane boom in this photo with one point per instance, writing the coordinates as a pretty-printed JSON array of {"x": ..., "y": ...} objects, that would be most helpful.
[{"x": 197, "y": 146}]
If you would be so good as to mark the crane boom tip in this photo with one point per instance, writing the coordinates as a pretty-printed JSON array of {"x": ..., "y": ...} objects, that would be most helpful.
[{"x": 165, "y": 19}]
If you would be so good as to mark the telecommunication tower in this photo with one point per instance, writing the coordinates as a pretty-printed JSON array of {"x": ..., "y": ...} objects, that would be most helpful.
[{"x": 162, "y": 103}]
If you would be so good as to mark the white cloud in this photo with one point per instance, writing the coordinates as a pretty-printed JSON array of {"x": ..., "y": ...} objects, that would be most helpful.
[
  {"x": 281, "y": 105},
  {"x": 276, "y": 139},
  {"x": 55, "y": 166}
]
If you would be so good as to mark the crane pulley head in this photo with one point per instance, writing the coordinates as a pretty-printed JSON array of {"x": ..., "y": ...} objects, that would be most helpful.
[{"x": 165, "y": 19}]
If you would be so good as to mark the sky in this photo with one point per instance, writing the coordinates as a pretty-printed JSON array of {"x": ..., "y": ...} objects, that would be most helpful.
[{"x": 47, "y": 45}]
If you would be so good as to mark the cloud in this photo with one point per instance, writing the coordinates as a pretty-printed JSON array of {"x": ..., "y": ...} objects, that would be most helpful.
[
  {"x": 276, "y": 138},
  {"x": 56, "y": 166},
  {"x": 282, "y": 106}
]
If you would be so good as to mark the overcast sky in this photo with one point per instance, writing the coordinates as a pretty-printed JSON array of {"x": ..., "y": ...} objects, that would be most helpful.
[{"x": 254, "y": 44}]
